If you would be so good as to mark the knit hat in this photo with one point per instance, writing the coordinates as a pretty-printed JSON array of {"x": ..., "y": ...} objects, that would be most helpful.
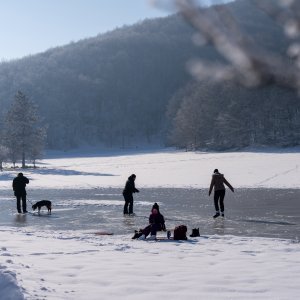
[{"x": 155, "y": 206}]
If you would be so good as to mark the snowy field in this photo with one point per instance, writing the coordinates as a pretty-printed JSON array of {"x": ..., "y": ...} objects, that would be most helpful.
[
  {"x": 164, "y": 169},
  {"x": 57, "y": 258}
]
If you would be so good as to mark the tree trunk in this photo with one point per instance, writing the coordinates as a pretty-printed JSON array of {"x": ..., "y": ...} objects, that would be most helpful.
[{"x": 23, "y": 160}]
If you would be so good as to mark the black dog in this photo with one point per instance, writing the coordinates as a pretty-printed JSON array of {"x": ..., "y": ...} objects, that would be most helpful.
[{"x": 39, "y": 204}]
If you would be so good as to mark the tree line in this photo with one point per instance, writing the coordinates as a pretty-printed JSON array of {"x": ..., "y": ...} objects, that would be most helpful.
[{"x": 222, "y": 116}]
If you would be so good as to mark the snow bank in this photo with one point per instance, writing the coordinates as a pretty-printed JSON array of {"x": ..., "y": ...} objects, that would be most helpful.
[
  {"x": 79, "y": 265},
  {"x": 9, "y": 289}
]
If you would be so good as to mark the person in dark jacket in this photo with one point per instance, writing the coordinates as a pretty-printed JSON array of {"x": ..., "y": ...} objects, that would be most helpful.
[
  {"x": 19, "y": 184},
  {"x": 128, "y": 194},
  {"x": 217, "y": 182},
  {"x": 156, "y": 223}
]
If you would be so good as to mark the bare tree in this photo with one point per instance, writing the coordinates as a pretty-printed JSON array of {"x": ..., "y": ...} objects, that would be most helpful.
[
  {"x": 37, "y": 146},
  {"x": 3, "y": 155}
]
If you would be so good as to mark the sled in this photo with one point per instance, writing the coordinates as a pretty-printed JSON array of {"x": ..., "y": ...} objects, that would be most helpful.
[
  {"x": 103, "y": 233},
  {"x": 165, "y": 239}
]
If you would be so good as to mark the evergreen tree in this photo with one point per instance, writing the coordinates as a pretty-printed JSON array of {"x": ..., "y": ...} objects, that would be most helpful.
[{"x": 23, "y": 135}]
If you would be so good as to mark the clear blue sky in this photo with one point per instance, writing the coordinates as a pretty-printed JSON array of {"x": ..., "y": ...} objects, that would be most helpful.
[{"x": 32, "y": 26}]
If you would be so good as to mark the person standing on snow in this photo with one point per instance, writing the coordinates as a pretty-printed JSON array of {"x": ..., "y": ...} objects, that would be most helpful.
[
  {"x": 128, "y": 194},
  {"x": 19, "y": 184},
  {"x": 217, "y": 182}
]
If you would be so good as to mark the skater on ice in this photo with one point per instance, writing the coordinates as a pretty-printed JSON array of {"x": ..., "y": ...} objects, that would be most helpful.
[
  {"x": 19, "y": 184},
  {"x": 128, "y": 194},
  {"x": 217, "y": 182}
]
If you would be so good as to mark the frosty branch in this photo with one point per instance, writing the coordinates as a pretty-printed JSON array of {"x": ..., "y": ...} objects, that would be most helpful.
[{"x": 246, "y": 62}]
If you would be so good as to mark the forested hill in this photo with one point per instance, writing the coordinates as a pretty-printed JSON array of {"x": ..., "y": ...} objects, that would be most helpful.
[
  {"x": 112, "y": 88},
  {"x": 117, "y": 88}
]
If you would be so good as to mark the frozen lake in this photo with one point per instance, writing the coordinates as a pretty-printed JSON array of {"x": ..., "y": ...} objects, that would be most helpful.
[
  {"x": 53, "y": 257},
  {"x": 248, "y": 212}
]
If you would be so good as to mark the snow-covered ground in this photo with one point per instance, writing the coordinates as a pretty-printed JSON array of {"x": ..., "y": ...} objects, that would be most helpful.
[
  {"x": 166, "y": 168},
  {"x": 76, "y": 264}
]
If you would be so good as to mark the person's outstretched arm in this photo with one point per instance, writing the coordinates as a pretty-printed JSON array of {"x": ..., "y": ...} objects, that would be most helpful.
[
  {"x": 211, "y": 186},
  {"x": 228, "y": 184}
]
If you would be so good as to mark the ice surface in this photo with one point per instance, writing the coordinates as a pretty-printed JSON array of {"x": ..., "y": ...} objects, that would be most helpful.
[{"x": 248, "y": 212}]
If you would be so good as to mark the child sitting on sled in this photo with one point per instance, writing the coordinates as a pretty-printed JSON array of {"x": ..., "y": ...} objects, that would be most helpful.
[{"x": 156, "y": 223}]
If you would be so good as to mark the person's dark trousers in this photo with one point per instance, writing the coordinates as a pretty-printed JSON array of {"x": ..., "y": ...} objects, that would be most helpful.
[
  {"x": 128, "y": 202},
  {"x": 147, "y": 230},
  {"x": 219, "y": 198},
  {"x": 23, "y": 198},
  {"x": 153, "y": 228}
]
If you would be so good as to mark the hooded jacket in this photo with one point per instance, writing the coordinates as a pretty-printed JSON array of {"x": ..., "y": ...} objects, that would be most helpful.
[
  {"x": 130, "y": 187},
  {"x": 217, "y": 182},
  {"x": 157, "y": 219},
  {"x": 19, "y": 184}
]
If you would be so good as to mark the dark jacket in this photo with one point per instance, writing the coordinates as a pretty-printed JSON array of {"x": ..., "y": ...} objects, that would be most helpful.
[
  {"x": 157, "y": 219},
  {"x": 218, "y": 181},
  {"x": 130, "y": 187},
  {"x": 19, "y": 184}
]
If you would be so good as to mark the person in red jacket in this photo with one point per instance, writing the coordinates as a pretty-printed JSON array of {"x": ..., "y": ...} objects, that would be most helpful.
[{"x": 217, "y": 182}]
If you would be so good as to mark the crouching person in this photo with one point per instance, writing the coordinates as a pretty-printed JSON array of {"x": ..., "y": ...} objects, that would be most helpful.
[{"x": 156, "y": 223}]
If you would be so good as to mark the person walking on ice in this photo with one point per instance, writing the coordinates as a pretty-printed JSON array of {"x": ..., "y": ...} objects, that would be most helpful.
[
  {"x": 217, "y": 182},
  {"x": 128, "y": 194}
]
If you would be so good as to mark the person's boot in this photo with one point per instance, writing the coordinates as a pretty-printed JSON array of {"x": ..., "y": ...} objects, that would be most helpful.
[
  {"x": 137, "y": 234},
  {"x": 217, "y": 215},
  {"x": 195, "y": 232},
  {"x": 168, "y": 234}
]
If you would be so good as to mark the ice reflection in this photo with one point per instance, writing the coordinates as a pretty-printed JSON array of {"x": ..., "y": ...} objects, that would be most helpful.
[
  {"x": 20, "y": 219},
  {"x": 219, "y": 226}
]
